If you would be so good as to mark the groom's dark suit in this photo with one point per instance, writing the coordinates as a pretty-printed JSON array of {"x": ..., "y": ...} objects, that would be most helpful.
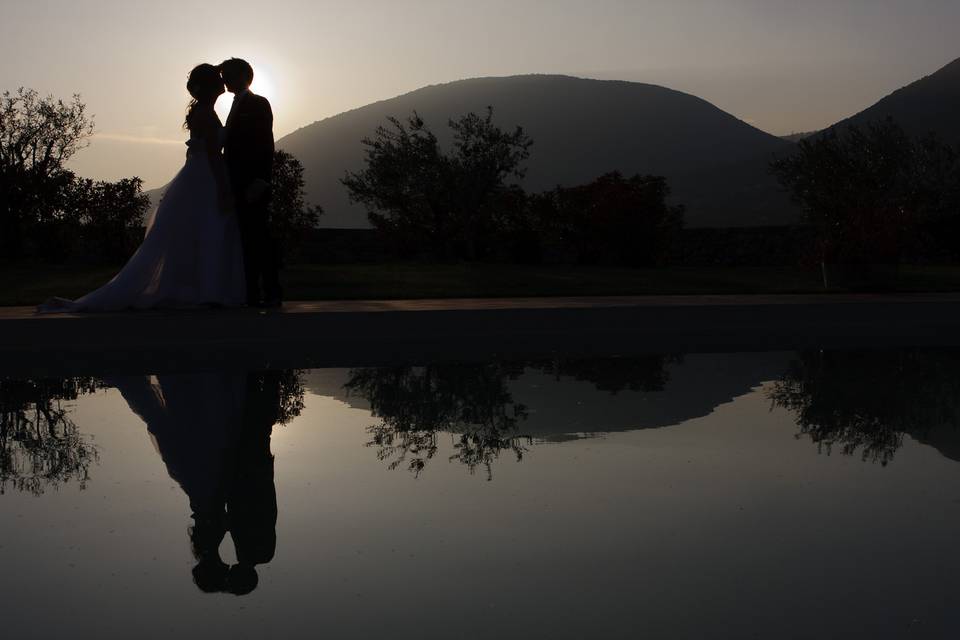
[{"x": 249, "y": 156}]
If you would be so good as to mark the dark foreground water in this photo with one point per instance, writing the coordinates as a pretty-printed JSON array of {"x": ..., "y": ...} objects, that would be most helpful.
[{"x": 770, "y": 495}]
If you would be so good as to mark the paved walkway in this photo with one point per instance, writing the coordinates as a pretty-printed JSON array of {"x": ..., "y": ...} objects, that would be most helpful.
[{"x": 494, "y": 304}]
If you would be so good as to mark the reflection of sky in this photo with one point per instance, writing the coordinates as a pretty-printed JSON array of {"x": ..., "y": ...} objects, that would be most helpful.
[{"x": 725, "y": 520}]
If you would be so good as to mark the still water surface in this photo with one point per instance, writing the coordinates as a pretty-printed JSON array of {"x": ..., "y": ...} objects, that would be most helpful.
[{"x": 801, "y": 495}]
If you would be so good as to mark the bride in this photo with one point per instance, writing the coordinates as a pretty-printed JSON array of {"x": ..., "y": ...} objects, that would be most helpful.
[{"x": 191, "y": 254}]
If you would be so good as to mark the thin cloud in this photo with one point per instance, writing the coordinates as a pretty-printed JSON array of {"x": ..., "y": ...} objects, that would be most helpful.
[{"x": 122, "y": 137}]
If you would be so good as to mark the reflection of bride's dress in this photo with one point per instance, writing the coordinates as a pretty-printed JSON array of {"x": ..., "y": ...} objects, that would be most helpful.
[
  {"x": 191, "y": 254},
  {"x": 192, "y": 419}
]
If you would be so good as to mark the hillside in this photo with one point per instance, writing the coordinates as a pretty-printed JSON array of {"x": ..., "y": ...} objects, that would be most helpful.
[
  {"x": 931, "y": 104},
  {"x": 797, "y": 137},
  {"x": 581, "y": 129}
]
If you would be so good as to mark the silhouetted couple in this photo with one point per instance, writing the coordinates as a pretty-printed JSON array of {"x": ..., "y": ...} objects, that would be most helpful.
[
  {"x": 213, "y": 432},
  {"x": 209, "y": 242}
]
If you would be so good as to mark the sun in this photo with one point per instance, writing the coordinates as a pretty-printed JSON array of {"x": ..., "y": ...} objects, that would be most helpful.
[{"x": 262, "y": 86}]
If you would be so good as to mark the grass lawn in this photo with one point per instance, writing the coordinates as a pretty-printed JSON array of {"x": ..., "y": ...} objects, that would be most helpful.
[{"x": 29, "y": 285}]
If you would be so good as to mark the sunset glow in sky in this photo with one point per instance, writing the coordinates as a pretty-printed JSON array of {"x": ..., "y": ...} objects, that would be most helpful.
[{"x": 781, "y": 65}]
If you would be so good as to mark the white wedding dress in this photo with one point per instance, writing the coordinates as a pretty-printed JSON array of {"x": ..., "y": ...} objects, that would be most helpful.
[{"x": 190, "y": 256}]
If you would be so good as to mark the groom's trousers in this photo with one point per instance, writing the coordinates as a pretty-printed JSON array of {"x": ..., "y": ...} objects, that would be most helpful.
[{"x": 260, "y": 253}]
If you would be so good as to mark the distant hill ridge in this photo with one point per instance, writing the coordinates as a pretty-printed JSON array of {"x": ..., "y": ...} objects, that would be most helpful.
[
  {"x": 929, "y": 105},
  {"x": 581, "y": 129}
]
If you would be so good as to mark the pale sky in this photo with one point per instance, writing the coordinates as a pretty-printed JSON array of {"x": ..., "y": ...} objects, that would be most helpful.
[{"x": 782, "y": 65}]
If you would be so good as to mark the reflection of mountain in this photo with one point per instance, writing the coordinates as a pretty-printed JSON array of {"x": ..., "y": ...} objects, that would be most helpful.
[
  {"x": 329, "y": 383},
  {"x": 563, "y": 407},
  {"x": 861, "y": 402},
  {"x": 581, "y": 129},
  {"x": 944, "y": 438},
  {"x": 498, "y": 408},
  {"x": 867, "y": 402}
]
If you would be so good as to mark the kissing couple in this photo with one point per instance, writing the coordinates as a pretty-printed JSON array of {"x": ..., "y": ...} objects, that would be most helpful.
[{"x": 209, "y": 242}]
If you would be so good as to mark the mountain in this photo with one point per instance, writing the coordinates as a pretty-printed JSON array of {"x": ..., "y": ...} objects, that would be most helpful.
[
  {"x": 716, "y": 164},
  {"x": 931, "y": 104},
  {"x": 797, "y": 137}
]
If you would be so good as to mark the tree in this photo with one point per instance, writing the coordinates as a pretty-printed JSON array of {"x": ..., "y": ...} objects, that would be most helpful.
[
  {"x": 38, "y": 135},
  {"x": 485, "y": 158},
  {"x": 109, "y": 216},
  {"x": 451, "y": 204},
  {"x": 290, "y": 215},
  {"x": 613, "y": 220},
  {"x": 868, "y": 191}
]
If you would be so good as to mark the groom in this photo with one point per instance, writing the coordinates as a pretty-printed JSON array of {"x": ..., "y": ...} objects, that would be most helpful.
[{"x": 248, "y": 152}]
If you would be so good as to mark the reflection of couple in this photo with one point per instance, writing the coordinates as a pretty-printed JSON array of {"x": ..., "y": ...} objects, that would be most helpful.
[
  {"x": 213, "y": 433},
  {"x": 209, "y": 241}
]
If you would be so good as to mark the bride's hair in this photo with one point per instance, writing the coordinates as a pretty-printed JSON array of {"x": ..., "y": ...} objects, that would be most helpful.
[{"x": 204, "y": 83}]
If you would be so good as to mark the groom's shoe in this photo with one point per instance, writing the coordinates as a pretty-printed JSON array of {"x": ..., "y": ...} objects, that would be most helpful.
[{"x": 272, "y": 303}]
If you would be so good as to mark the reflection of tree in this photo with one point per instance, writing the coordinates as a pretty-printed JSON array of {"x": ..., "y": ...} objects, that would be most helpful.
[
  {"x": 867, "y": 401},
  {"x": 291, "y": 390},
  {"x": 473, "y": 403},
  {"x": 415, "y": 403},
  {"x": 40, "y": 446}
]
